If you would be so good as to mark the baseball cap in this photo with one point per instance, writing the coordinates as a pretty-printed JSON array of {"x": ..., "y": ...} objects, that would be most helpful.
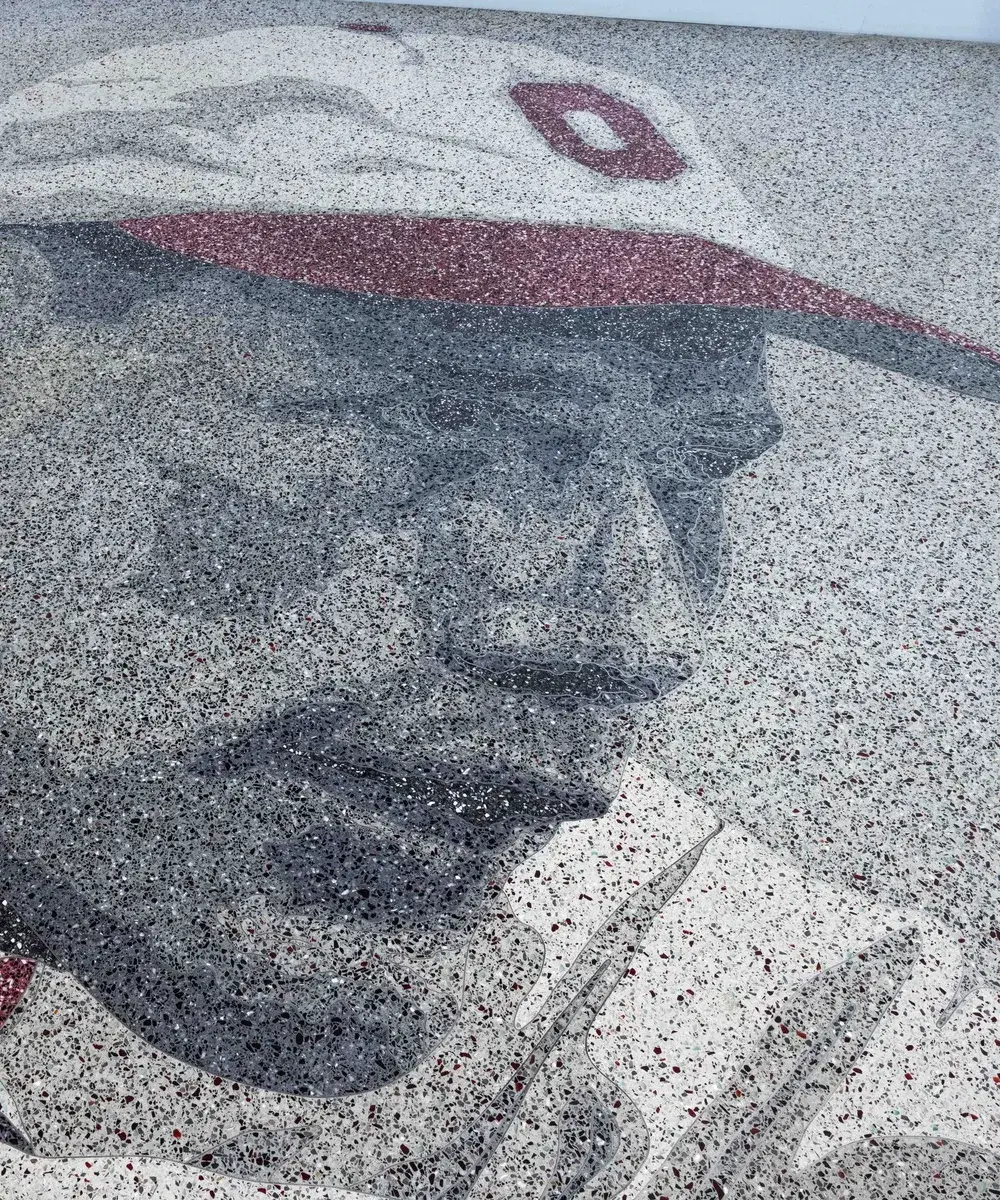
[{"x": 434, "y": 167}]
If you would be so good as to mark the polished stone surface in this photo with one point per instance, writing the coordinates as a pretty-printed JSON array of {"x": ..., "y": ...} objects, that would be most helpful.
[{"x": 499, "y": 609}]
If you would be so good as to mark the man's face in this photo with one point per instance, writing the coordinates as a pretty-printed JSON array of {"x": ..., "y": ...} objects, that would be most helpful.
[{"x": 334, "y": 607}]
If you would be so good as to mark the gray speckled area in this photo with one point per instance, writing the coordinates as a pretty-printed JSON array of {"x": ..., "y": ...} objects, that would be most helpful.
[{"x": 498, "y": 608}]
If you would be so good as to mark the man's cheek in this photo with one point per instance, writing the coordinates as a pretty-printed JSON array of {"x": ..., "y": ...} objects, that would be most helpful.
[
  {"x": 349, "y": 634},
  {"x": 199, "y": 424},
  {"x": 146, "y": 679}
]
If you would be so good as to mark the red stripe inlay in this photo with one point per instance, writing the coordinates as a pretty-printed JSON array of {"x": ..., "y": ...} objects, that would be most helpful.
[{"x": 15, "y": 975}]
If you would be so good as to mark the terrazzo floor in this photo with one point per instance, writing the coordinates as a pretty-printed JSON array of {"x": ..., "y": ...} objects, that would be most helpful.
[{"x": 499, "y": 608}]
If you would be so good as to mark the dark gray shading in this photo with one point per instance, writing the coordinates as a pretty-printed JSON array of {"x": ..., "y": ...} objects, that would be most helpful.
[
  {"x": 695, "y": 516},
  {"x": 223, "y": 1017},
  {"x": 156, "y": 957},
  {"x": 312, "y": 742},
  {"x": 506, "y": 667},
  {"x": 99, "y": 274},
  {"x": 223, "y": 552},
  {"x": 451, "y": 386},
  {"x": 452, "y": 393},
  {"x": 563, "y": 1023},
  {"x": 18, "y": 939},
  {"x": 745, "y": 1141},
  {"x": 416, "y": 875},
  {"x": 915, "y": 354},
  {"x": 10, "y": 1135},
  {"x": 679, "y": 393}
]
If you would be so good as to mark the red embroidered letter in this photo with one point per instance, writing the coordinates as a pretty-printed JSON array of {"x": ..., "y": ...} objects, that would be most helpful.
[{"x": 644, "y": 154}]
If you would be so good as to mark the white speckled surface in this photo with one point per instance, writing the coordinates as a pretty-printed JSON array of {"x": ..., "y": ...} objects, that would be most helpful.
[{"x": 499, "y": 607}]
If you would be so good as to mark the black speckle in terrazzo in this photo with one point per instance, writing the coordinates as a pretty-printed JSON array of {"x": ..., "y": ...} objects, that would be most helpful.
[{"x": 498, "y": 630}]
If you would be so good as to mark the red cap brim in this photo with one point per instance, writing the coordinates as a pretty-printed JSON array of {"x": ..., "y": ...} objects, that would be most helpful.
[{"x": 508, "y": 264}]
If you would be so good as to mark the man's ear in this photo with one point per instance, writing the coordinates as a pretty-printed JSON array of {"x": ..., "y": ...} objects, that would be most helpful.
[{"x": 920, "y": 355}]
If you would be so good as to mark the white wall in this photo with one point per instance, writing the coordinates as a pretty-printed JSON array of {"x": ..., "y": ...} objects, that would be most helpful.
[{"x": 971, "y": 20}]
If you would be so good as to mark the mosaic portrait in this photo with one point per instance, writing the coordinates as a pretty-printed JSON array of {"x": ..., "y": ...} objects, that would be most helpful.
[{"x": 498, "y": 666}]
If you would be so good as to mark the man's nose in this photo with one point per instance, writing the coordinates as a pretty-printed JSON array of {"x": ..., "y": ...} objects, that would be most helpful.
[{"x": 561, "y": 588}]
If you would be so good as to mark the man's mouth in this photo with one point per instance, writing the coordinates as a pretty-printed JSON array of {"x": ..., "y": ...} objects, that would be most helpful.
[
  {"x": 315, "y": 743},
  {"x": 387, "y": 839}
]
